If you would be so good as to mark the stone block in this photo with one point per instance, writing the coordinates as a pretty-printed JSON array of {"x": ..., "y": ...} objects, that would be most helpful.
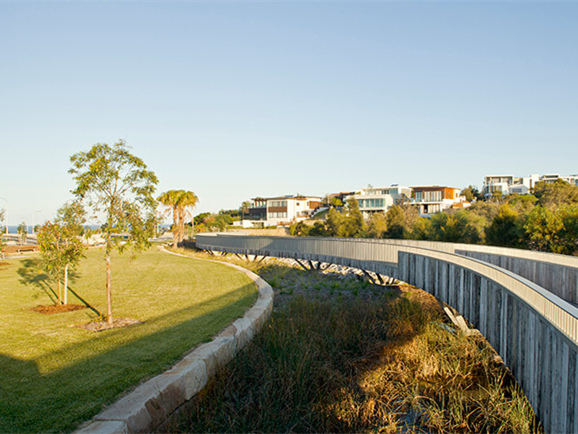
[
  {"x": 245, "y": 331},
  {"x": 141, "y": 408},
  {"x": 104, "y": 427},
  {"x": 229, "y": 332},
  {"x": 258, "y": 316},
  {"x": 190, "y": 379}
]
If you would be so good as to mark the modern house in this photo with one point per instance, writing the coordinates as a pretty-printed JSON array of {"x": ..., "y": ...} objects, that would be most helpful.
[
  {"x": 434, "y": 198},
  {"x": 509, "y": 184},
  {"x": 380, "y": 199},
  {"x": 571, "y": 179},
  {"x": 281, "y": 210}
]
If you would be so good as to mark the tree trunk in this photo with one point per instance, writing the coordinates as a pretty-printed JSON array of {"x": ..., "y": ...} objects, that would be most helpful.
[
  {"x": 175, "y": 227},
  {"x": 66, "y": 284},
  {"x": 59, "y": 291},
  {"x": 108, "y": 291}
]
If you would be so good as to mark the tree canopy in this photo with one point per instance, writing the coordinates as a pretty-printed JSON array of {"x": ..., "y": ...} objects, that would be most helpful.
[{"x": 119, "y": 188}]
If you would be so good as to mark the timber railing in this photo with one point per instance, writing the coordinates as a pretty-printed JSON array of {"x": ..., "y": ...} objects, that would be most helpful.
[{"x": 533, "y": 329}]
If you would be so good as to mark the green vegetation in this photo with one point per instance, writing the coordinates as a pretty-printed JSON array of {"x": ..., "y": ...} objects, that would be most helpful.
[
  {"x": 546, "y": 220},
  {"x": 22, "y": 233},
  {"x": 56, "y": 376},
  {"x": 342, "y": 355},
  {"x": 118, "y": 184},
  {"x": 181, "y": 203},
  {"x": 209, "y": 222},
  {"x": 61, "y": 245}
]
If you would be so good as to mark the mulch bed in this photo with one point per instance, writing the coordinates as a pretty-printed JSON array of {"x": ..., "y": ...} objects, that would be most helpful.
[
  {"x": 29, "y": 248},
  {"x": 57, "y": 308},
  {"x": 98, "y": 326}
]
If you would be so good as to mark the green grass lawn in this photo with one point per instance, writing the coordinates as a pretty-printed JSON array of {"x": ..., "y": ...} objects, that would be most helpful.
[{"x": 55, "y": 376}]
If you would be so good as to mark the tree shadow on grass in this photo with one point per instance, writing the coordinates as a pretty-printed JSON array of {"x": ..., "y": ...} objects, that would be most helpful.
[
  {"x": 59, "y": 400},
  {"x": 32, "y": 275}
]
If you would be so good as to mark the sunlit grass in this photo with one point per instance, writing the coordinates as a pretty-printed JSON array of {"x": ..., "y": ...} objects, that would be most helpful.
[{"x": 56, "y": 375}]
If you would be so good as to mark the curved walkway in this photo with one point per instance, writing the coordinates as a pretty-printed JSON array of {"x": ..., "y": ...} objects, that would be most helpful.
[
  {"x": 148, "y": 406},
  {"x": 530, "y": 326}
]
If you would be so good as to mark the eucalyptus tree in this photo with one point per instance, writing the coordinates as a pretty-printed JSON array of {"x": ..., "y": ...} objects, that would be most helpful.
[
  {"x": 61, "y": 244},
  {"x": 119, "y": 188},
  {"x": 22, "y": 233}
]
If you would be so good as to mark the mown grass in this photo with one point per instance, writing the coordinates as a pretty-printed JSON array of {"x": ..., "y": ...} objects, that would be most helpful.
[
  {"x": 346, "y": 356},
  {"x": 55, "y": 376}
]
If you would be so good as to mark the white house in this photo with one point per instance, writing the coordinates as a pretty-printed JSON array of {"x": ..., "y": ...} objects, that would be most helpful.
[
  {"x": 509, "y": 184},
  {"x": 281, "y": 210},
  {"x": 380, "y": 199}
]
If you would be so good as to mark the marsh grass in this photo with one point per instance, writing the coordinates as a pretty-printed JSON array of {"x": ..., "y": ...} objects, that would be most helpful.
[{"x": 372, "y": 359}]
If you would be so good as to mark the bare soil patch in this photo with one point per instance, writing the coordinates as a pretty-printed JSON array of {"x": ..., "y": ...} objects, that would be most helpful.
[
  {"x": 98, "y": 326},
  {"x": 57, "y": 308}
]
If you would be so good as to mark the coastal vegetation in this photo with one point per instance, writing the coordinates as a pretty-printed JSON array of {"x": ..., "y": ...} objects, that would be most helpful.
[
  {"x": 59, "y": 373},
  {"x": 342, "y": 355},
  {"x": 546, "y": 220}
]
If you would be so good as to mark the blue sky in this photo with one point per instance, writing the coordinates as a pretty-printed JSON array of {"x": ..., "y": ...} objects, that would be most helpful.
[{"x": 241, "y": 99}]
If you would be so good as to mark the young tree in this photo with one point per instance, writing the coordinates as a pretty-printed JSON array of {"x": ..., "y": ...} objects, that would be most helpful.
[
  {"x": 506, "y": 229},
  {"x": 334, "y": 223},
  {"x": 118, "y": 186},
  {"x": 471, "y": 193},
  {"x": 353, "y": 223},
  {"x": 61, "y": 245},
  {"x": 22, "y": 233},
  {"x": 71, "y": 217},
  {"x": 377, "y": 225}
]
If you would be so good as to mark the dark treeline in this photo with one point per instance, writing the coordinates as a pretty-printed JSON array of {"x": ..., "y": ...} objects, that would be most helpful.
[{"x": 546, "y": 220}]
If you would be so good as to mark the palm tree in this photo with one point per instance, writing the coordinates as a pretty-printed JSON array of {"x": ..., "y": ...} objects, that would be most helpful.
[
  {"x": 186, "y": 203},
  {"x": 181, "y": 203},
  {"x": 170, "y": 199}
]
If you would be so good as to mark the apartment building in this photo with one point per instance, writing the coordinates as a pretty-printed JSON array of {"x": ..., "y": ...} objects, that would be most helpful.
[
  {"x": 571, "y": 179},
  {"x": 280, "y": 210},
  {"x": 509, "y": 184},
  {"x": 380, "y": 199},
  {"x": 434, "y": 198}
]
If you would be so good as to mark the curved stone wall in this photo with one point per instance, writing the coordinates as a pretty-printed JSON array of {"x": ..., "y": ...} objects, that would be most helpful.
[
  {"x": 534, "y": 331},
  {"x": 148, "y": 406}
]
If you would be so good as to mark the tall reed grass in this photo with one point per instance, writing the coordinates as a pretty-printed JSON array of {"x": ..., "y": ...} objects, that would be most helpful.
[{"x": 374, "y": 359}]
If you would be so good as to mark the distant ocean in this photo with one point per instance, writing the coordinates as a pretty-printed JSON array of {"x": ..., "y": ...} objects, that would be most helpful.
[{"x": 14, "y": 229}]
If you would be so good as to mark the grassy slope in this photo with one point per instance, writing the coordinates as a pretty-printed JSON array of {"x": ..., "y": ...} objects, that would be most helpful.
[{"x": 55, "y": 376}]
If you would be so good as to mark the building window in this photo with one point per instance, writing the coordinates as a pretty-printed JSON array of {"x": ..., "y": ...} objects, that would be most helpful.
[{"x": 277, "y": 215}]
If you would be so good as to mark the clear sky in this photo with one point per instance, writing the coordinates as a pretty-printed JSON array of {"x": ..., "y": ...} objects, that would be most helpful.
[{"x": 241, "y": 99}]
